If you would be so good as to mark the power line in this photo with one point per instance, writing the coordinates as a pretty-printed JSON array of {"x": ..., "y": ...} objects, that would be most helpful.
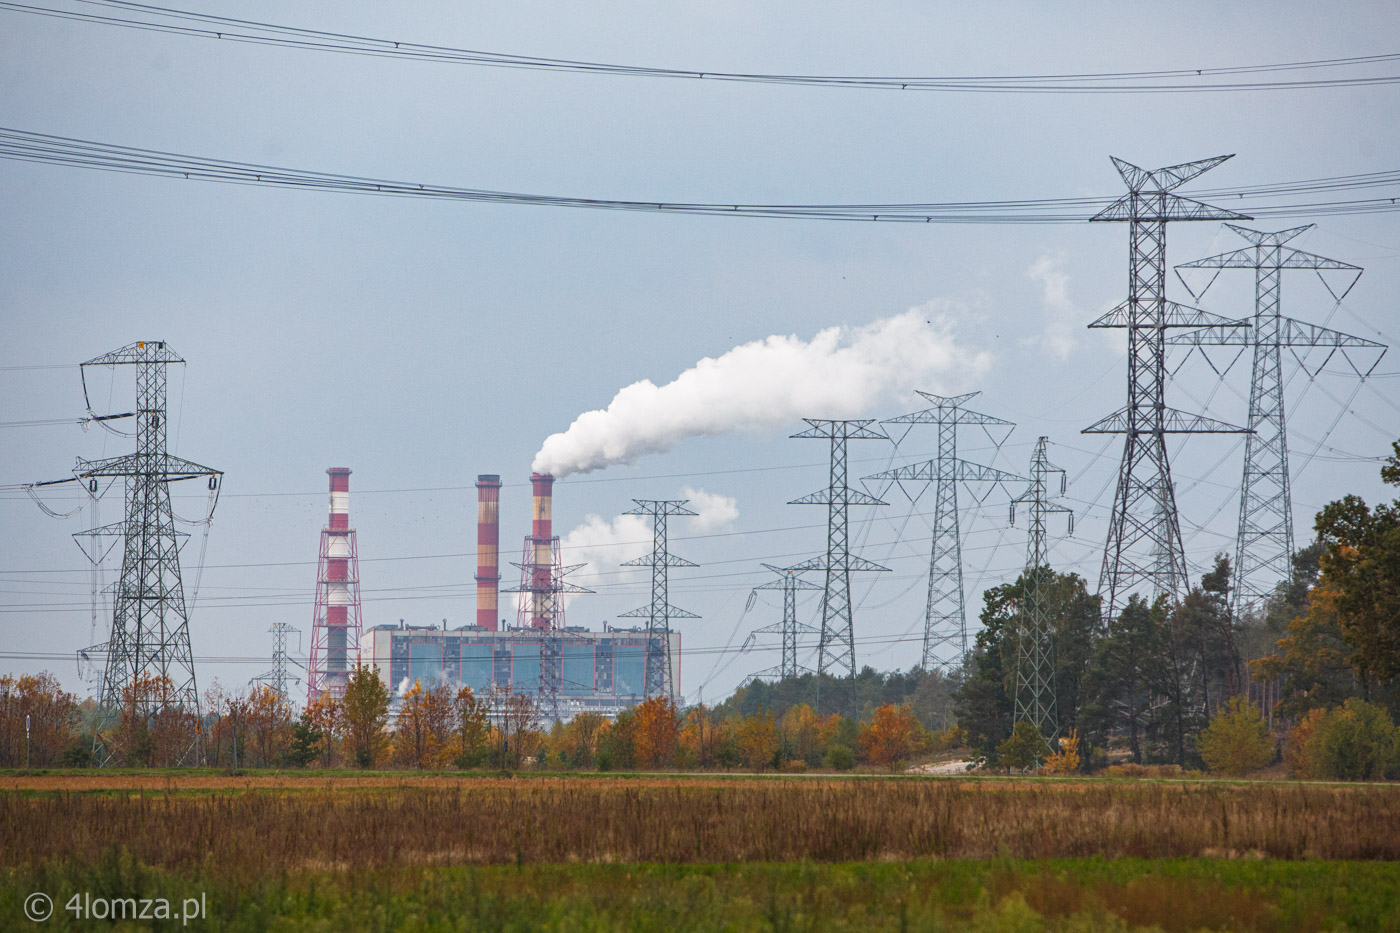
[
  {"x": 27, "y": 146},
  {"x": 170, "y": 21}
]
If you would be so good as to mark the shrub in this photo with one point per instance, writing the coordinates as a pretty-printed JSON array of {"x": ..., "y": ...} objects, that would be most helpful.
[
  {"x": 1024, "y": 749},
  {"x": 1300, "y": 750},
  {"x": 1356, "y": 743},
  {"x": 1237, "y": 741},
  {"x": 78, "y": 755},
  {"x": 942, "y": 740},
  {"x": 1066, "y": 760},
  {"x": 839, "y": 758},
  {"x": 1128, "y": 769}
]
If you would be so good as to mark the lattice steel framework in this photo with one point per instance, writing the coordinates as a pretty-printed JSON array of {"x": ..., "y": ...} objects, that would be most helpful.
[
  {"x": 150, "y": 635},
  {"x": 659, "y": 677},
  {"x": 1144, "y": 535},
  {"x": 543, "y": 584},
  {"x": 1035, "y": 636},
  {"x": 150, "y": 624},
  {"x": 789, "y": 580},
  {"x": 337, "y": 621},
  {"x": 836, "y": 650},
  {"x": 945, "y": 611},
  {"x": 281, "y": 674},
  {"x": 542, "y": 573},
  {"x": 1264, "y": 547}
]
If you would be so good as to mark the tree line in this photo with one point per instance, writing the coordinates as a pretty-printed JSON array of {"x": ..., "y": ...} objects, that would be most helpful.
[{"x": 1162, "y": 684}]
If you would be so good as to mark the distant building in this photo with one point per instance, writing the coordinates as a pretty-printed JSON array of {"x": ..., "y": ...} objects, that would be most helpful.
[{"x": 568, "y": 672}]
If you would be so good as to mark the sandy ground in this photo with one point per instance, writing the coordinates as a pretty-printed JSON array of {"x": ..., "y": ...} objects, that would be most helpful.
[{"x": 941, "y": 767}]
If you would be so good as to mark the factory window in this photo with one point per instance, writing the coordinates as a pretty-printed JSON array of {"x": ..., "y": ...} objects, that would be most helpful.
[
  {"x": 525, "y": 668},
  {"x": 577, "y": 675},
  {"x": 629, "y": 670},
  {"x": 476, "y": 667},
  {"x": 425, "y": 663}
]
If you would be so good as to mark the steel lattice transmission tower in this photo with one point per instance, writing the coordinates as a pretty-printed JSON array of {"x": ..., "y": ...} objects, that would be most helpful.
[
  {"x": 945, "y": 612},
  {"x": 836, "y": 651},
  {"x": 150, "y": 635},
  {"x": 1035, "y": 637},
  {"x": 659, "y": 678},
  {"x": 150, "y": 624},
  {"x": 542, "y": 584},
  {"x": 1144, "y": 535},
  {"x": 280, "y": 675},
  {"x": 1264, "y": 548},
  {"x": 789, "y": 581}
]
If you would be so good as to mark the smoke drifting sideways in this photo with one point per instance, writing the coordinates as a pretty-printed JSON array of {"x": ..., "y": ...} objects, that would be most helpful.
[
  {"x": 604, "y": 544},
  {"x": 842, "y": 372}
]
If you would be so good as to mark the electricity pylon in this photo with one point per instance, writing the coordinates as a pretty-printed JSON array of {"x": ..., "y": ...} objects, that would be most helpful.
[
  {"x": 789, "y": 581},
  {"x": 836, "y": 650},
  {"x": 1035, "y": 637},
  {"x": 150, "y": 636},
  {"x": 1264, "y": 547},
  {"x": 945, "y": 611},
  {"x": 660, "y": 673},
  {"x": 1144, "y": 534},
  {"x": 280, "y": 675}
]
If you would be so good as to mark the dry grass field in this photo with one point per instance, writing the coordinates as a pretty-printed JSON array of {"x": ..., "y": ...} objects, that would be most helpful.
[
  {"x": 255, "y": 825},
  {"x": 435, "y": 852}
]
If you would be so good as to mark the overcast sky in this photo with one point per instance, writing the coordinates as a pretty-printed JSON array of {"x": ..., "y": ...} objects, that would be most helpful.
[{"x": 423, "y": 342}]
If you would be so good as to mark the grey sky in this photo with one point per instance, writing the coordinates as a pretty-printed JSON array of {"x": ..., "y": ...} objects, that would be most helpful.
[{"x": 421, "y": 343}]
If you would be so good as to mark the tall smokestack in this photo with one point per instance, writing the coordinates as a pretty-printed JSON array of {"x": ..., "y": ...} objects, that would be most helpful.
[
  {"x": 488, "y": 550},
  {"x": 542, "y": 531},
  {"x": 336, "y": 626}
]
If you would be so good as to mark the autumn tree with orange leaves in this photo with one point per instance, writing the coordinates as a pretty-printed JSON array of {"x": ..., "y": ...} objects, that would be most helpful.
[
  {"x": 52, "y": 713},
  {"x": 892, "y": 735},
  {"x": 701, "y": 735},
  {"x": 423, "y": 737},
  {"x": 801, "y": 732},
  {"x": 657, "y": 732},
  {"x": 758, "y": 740},
  {"x": 324, "y": 714},
  {"x": 268, "y": 724},
  {"x": 152, "y": 731}
]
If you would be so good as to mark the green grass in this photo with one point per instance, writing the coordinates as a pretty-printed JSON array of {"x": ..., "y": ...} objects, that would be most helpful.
[{"x": 1171, "y": 895}]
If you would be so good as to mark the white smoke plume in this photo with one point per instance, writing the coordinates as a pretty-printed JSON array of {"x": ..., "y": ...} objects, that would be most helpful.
[
  {"x": 842, "y": 372},
  {"x": 604, "y": 544}
]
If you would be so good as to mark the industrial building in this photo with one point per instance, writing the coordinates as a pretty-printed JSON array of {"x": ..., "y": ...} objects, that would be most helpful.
[{"x": 567, "y": 669}]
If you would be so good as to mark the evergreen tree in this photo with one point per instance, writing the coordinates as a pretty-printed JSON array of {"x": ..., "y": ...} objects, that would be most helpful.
[
  {"x": 1126, "y": 664},
  {"x": 1362, "y": 564},
  {"x": 306, "y": 741},
  {"x": 983, "y": 703}
]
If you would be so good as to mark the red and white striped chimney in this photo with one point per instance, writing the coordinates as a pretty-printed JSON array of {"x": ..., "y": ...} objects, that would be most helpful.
[
  {"x": 542, "y": 531},
  {"x": 336, "y": 624},
  {"x": 488, "y": 550}
]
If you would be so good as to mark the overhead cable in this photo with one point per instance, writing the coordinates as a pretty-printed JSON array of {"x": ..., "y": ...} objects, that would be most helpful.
[
  {"x": 1320, "y": 73},
  {"x": 27, "y": 146}
]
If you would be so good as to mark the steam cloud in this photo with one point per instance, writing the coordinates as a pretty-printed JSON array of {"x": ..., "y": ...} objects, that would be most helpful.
[
  {"x": 840, "y": 373},
  {"x": 604, "y": 544}
]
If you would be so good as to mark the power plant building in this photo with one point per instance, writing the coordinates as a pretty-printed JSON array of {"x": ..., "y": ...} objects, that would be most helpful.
[
  {"x": 566, "y": 669},
  {"x": 597, "y": 672}
]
